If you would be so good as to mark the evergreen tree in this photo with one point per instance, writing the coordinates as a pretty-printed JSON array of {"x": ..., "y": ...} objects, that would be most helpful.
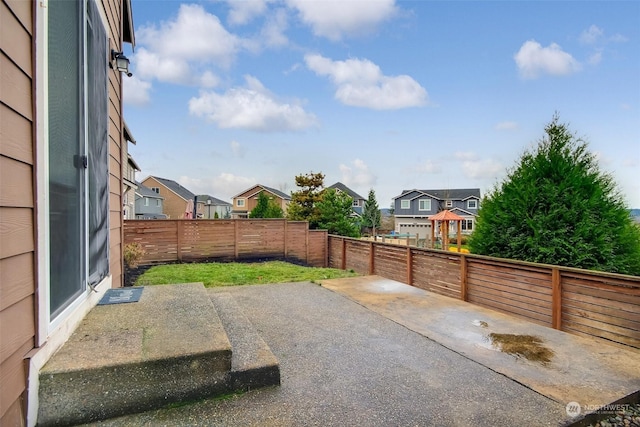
[
  {"x": 557, "y": 207},
  {"x": 335, "y": 211},
  {"x": 266, "y": 208},
  {"x": 371, "y": 213},
  {"x": 303, "y": 202}
]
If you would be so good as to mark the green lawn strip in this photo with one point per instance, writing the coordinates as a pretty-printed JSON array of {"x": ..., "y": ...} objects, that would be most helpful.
[{"x": 235, "y": 273}]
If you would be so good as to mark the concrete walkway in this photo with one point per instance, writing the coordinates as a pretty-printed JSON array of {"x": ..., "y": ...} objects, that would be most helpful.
[
  {"x": 343, "y": 364},
  {"x": 580, "y": 370}
]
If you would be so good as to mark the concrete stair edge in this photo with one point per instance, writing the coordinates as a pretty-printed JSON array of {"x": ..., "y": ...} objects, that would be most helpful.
[{"x": 253, "y": 364}]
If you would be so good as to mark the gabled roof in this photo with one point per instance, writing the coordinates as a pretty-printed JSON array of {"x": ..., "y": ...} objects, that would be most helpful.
[
  {"x": 450, "y": 194},
  {"x": 340, "y": 186},
  {"x": 147, "y": 192},
  {"x": 269, "y": 189},
  {"x": 175, "y": 187},
  {"x": 203, "y": 198}
]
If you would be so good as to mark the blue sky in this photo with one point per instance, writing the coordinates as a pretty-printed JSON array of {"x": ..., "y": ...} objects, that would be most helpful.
[{"x": 378, "y": 94}]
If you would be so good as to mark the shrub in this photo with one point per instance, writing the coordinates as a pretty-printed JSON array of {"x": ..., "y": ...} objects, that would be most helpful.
[{"x": 132, "y": 253}]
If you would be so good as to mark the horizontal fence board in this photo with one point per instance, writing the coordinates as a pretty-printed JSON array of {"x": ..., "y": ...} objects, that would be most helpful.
[
  {"x": 567, "y": 296},
  {"x": 611, "y": 319},
  {"x": 629, "y": 295},
  {"x": 509, "y": 295},
  {"x": 506, "y": 299},
  {"x": 193, "y": 240},
  {"x": 512, "y": 310},
  {"x": 590, "y": 309},
  {"x": 515, "y": 289},
  {"x": 603, "y": 336},
  {"x": 533, "y": 278}
]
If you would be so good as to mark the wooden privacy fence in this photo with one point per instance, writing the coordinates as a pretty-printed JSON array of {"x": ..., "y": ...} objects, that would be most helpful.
[
  {"x": 234, "y": 239},
  {"x": 583, "y": 302}
]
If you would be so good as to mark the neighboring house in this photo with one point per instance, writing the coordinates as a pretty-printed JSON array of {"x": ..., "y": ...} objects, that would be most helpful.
[
  {"x": 246, "y": 201},
  {"x": 358, "y": 200},
  {"x": 130, "y": 167},
  {"x": 176, "y": 197},
  {"x": 148, "y": 204},
  {"x": 413, "y": 208},
  {"x": 209, "y": 206},
  {"x": 61, "y": 183}
]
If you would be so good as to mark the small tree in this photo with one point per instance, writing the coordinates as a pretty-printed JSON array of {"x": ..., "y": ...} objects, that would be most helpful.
[
  {"x": 557, "y": 207},
  {"x": 335, "y": 211},
  {"x": 303, "y": 202},
  {"x": 371, "y": 213},
  {"x": 266, "y": 208}
]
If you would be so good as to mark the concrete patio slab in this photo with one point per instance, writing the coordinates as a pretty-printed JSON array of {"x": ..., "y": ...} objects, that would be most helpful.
[{"x": 581, "y": 370}]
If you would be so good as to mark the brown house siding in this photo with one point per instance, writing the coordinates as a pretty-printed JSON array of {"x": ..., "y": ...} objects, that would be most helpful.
[
  {"x": 17, "y": 229},
  {"x": 173, "y": 205}
]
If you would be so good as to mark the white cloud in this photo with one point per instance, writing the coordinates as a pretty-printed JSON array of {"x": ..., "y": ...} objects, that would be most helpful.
[
  {"x": 237, "y": 149},
  {"x": 337, "y": 19},
  {"x": 533, "y": 60},
  {"x": 430, "y": 167},
  {"x": 591, "y": 35},
  {"x": 475, "y": 167},
  {"x": 243, "y": 11},
  {"x": 272, "y": 34},
  {"x": 357, "y": 175},
  {"x": 179, "y": 51},
  {"x": 251, "y": 107},
  {"x": 360, "y": 83},
  {"x": 506, "y": 126},
  {"x": 596, "y": 57},
  {"x": 136, "y": 91}
]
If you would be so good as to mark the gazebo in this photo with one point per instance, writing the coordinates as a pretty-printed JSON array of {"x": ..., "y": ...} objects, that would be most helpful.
[{"x": 444, "y": 217}]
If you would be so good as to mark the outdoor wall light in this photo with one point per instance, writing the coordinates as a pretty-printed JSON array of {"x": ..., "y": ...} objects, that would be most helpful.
[{"x": 121, "y": 62}]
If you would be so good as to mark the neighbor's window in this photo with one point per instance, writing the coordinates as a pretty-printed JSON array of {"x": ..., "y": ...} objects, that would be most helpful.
[
  {"x": 157, "y": 202},
  {"x": 449, "y": 203},
  {"x": 356, "y": 203},
  {"x": 155, "y": 190},
  {"x": 405, "y": 204},
  {"x": 467, "y": 224},
  {"x": 424, "y": 204},
  {"x": 472, "y": 204},
  {"x": 240, "y": 203},
  {"x": 146, "y": 201}
]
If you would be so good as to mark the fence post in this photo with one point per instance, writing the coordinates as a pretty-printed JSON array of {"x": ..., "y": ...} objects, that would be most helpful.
[
  {"x": 556, "y": 298},
  {"x": 372, "y": 249},
  {"x": 306, "y": 244},
  {"x": 409, "y": 266},
  {"x": 463, "y": 277},
  {"x": 179, "y": 231},
  {"x": 343, "y": 265},
  {"x": 235, "y": 239},
  {"x": 286, "y": 239}
]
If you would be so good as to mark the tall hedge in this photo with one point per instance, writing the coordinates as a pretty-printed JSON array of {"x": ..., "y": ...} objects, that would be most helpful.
[{"x": 557, "y": 207}]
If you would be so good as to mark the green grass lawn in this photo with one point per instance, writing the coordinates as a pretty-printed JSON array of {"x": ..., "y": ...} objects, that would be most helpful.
[{"x": 235, "y": 273}]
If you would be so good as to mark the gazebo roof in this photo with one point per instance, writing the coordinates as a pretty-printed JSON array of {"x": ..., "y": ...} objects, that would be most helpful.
[{"x": 446, "y": 216}]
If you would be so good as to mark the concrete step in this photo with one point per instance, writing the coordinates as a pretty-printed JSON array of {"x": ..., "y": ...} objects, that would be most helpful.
[
  {"x": 126, "y": 358},
  {"x": 253, "y": 365}
]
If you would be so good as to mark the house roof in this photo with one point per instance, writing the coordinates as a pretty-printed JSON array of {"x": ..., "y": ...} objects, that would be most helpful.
[
  {"x": 128, "y": 34},
  {"x": 269, "y": 189},
  {"x": 126, "y": 132},
  {"x": 175, "y": 187},
  {"x": 203, "y": 198},
  {"x": 147, "y": 192},
  {"x": 340, "y": 186},
  {"x": 133, "y": 162},
  {"x": 449, "y": 194}
]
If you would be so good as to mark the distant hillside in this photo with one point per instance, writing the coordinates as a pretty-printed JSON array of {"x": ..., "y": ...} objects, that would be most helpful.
[{"x": 635, "y": 214}]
